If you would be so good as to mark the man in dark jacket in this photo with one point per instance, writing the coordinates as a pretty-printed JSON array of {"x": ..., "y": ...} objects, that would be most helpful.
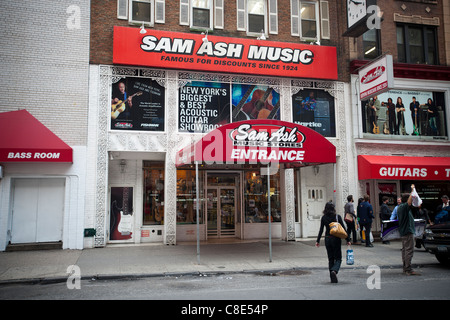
[
  {"x": 385, "y": 213},
  {"x": 365, "y": 216}
]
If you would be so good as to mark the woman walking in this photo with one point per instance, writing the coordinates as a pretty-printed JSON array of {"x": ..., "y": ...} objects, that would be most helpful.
[{"x": 332, "y": 243}]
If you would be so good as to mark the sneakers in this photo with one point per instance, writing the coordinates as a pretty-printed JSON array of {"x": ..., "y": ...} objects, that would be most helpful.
[{"x": 333, "y": 277}]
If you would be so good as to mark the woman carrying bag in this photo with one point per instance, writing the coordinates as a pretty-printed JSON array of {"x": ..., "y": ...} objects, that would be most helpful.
[{"x": 332, "y": 243}]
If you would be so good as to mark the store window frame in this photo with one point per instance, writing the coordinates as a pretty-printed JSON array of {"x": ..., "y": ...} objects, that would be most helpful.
[
  {"x": 201, "y": 9},
  {"x": 251, "y": 197},
  {"x": 371, "y": 44},
  {"x": 405, "y": 46},
  {"x": 186, "y": 197},
  {"x": 153, "y": 193}
]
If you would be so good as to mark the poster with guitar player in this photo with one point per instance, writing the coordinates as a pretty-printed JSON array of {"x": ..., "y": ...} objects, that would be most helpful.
[
  {"x": 203, "y": 106},
  {"x": 121, "y": 213},
  {"x": 254, "y": 102},
  {"x": 315, "y": 109},
  {"x": 137, "y": 104}
]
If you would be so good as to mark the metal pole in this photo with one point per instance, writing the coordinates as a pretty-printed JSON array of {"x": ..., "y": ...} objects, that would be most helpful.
[
  {"x": 334, "y": 183},
  {"x": 197, "y": 214},
  {"x": 269, "y": 216}
]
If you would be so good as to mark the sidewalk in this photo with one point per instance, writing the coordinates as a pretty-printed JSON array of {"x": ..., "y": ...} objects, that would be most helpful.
[{"x": 146, "y": 260}]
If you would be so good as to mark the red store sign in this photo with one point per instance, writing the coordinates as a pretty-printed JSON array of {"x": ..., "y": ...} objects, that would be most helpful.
[
  {"x": 163, "y": 49},
  {"x": 260, "y": 141}
]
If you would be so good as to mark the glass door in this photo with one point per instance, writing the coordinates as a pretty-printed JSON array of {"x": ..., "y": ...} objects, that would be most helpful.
[{"x": 221, "y": 211}]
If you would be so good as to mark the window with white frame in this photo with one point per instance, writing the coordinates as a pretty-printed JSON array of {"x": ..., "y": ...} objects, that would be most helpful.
[
  {"x": 202, "y": 14},
  {"x": 139, "y": 12},
  {"x": 257, "y": 16},
  {"x": 310, "y": 20}
]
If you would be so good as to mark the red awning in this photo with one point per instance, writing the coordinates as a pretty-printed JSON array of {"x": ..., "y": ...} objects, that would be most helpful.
[
  {"x": 403, "y": 168},
  {"x": 25, "y": 139},
  {"x": 260, "y": 141}
]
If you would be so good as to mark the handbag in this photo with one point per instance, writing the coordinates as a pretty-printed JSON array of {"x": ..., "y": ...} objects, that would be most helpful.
[
  {"x": 348, "y": 217},
  {"x": 337, "y": 230},
  {"x": 350, "y": 256}
]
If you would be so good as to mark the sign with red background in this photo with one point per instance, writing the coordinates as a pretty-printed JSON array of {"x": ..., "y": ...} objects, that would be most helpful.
[{"x": 165, "y": 49}]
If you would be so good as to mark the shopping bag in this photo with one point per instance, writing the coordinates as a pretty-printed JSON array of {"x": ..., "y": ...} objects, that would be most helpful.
[
  {"x": 416, "y": 201},
  {"x": 350, "y": 256}
]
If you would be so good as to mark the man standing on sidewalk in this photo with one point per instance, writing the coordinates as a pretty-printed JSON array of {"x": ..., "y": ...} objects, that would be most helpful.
[
  {"x": 406, "y": 228},
  {"x": 365, "y": 215}
]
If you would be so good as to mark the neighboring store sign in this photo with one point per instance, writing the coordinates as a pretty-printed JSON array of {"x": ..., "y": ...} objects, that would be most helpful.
[
  {"x": 403, "y": 168},
  {"x": 260, "y": 141},
  {"x": 376, "y": 77},
  {"x": 165, "y": 49}
]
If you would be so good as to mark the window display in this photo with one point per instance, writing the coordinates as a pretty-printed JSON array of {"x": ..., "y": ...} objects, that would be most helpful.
[
  {"x": 255, "y": 197},
  {"x": 187, "y": 198},
  {"x": 153, "y": 193},
  {"x": 406, "y": 113}
]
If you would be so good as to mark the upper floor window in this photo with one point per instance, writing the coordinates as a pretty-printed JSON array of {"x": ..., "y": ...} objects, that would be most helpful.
[
  {"x": 310, "y": 20},
  {"x": 139, "y": 12},
  {"x": 417, "y": 44},
  {"x": 257, "y": 16},
  {"x": 202, "y": 14},
  {"x": 371, "y": 44}
]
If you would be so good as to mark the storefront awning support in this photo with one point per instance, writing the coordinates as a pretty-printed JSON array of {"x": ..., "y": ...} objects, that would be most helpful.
[
  {"x": 269, "y": 215},
  {"x": 197, "y": 211}
]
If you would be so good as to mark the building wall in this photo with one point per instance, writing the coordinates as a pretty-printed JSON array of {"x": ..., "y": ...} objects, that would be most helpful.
[{"x": 45, "y": 49}]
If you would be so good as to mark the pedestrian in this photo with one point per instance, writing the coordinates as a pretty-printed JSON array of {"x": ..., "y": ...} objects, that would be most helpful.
[
  {"x": 394, "y": 212},
  {"x": 422, "y": 213},
  {"x": 332, "y": 243},
  {"x": 406, "y": 228},
  {"x": 350, "y": 218},
  {"x": 445, "y": 204},
  {"x": 365, "y": 216},
  {"x": 385, "y": 213}
]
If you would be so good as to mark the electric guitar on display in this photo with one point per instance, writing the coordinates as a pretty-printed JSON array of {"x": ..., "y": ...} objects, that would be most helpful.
[
  {"x": 238, "y": 114},
  {"x": 416, "y": 128},
  {"x": 119, "y": 107},
  {"x": 376, "y": 129}
]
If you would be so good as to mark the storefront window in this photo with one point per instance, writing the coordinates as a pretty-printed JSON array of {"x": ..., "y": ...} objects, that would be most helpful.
[
  {"x": 430, "y": 192},
  {"x": 187, "y": 198},
  {"x": 314, "y": 109},
  {"x": 255, "y": 197},
  {"x": 153, "y": 192},
  {"x": 410, "y": 114}
]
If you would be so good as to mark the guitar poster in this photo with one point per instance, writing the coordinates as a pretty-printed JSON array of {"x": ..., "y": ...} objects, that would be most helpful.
[
  {"x": 137, "y": 104},
  {"x": 255, "y": 102},
  {"x": 121, "y": 213},
  {"x": 203, "y": 106},
  {"x": 314, "y": 109}
]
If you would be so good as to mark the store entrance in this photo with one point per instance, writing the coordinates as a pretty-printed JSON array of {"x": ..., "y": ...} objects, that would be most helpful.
[
  {"x": 221, "y": 212},
  {"x": 221, "y": 205}
]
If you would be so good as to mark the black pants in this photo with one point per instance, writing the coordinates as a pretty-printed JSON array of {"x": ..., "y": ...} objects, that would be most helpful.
[
  {"x": 351, "y": 228},
  {"x": 334, "y": 253},
  {"x": 367, "y": 226}
]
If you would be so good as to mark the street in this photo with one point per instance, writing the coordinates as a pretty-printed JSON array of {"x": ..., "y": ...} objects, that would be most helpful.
[{"x": 313, "y": 284}]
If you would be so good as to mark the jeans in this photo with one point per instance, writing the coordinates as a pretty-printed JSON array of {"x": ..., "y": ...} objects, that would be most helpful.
[
  {"x": 334, "y": 253},
  {"x": 351, "y": 230},
  {"x": 407, "y": 251}
]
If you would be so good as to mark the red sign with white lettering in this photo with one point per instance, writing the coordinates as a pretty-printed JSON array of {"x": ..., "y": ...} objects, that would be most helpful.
[
  {"x": 165, "y": 49},
  {"x": 260, "y": 141},
  {"x": 403, "y": 168}
]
